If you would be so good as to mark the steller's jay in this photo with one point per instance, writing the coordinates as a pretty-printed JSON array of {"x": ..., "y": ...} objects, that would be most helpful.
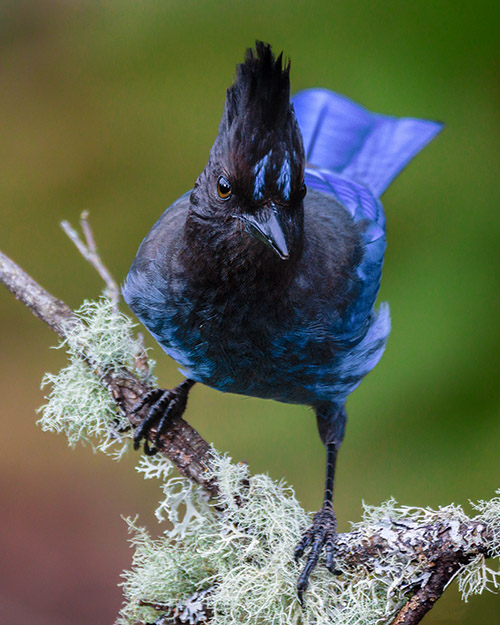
[{"x": 262, "y": 279}]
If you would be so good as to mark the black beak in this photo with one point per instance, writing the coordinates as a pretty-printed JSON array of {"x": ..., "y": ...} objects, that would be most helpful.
[{"x": 267, "y": 226}]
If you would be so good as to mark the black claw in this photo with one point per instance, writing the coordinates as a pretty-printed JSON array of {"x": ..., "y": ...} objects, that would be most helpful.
[
  {"x": 163, "y": 406},
  {"x": 149, "y": 398},
  {"x": 147, "y": 423},
  {"x": 172, "y": 409},
  {"x": 149, "y": 451},
  {"x": 321, "y": 535},
  {"x": 300, "y": 596},
  {"x": 304, "y": 544}
]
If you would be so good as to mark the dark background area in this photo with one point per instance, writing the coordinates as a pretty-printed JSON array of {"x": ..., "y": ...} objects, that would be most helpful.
[{"x": 113, "y": 107}]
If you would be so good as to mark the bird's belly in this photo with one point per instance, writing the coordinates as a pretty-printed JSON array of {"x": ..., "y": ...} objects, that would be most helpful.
[
  {"x": 286, "y": 363},
  {"x": 287, "y": 366},
  {"x": 269, "y": 374}
]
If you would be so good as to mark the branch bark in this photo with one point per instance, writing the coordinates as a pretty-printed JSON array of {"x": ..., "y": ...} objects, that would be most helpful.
[
  {"x": 42, "y": 304},
  {"x": 443, "y": 547}
]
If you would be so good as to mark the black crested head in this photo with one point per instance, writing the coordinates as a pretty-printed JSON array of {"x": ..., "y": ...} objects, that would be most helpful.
[
  {"x": 251, "y": 190},
  {"x": 259, "y": 149}
]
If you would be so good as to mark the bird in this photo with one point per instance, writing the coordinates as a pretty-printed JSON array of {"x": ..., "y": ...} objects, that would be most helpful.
[{"x": 262, "y": 279}]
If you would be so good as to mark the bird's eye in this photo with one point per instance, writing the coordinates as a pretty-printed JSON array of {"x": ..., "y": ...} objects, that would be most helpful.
[
  {"x": 303, "y": 191},
  {"x": 223, "y": 188}
]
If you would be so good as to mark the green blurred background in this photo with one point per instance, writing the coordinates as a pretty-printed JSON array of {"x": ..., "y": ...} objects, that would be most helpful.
[{"x": 112, "y": 106}]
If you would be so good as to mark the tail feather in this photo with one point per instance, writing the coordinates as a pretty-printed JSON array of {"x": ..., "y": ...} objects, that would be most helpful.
[{"x": 343, "y": 137}]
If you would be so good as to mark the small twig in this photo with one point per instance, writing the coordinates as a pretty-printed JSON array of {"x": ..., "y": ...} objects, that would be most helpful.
[
  {"x": 89, "y": 251},
  {"x": 87, "y": 231}
]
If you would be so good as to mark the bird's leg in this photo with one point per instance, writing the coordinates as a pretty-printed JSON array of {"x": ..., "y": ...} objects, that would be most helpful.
[
  {"x": 164, "y": 404},
  {"x": 323, "y": 532}
]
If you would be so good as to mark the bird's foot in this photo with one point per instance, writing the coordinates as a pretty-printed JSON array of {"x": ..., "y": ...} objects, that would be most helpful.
[
  {"x": 321, "y": 535},
  {"x": 164, "y": 405}
]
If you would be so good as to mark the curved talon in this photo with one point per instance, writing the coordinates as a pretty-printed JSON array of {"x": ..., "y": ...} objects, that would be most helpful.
[
  {"x": 143, "y": 429},
  {"x": 149, "y": 451},
  {"x": 164, "y": 405},
  {"x": 329, "y": 557},
  {"x": 140, "y": 433},
  {"x": 171, "y": 410},
  {"x": 303, "y": 544},
  {"x": 147, "y": 398},
  {"x": 321, "y": 535}
]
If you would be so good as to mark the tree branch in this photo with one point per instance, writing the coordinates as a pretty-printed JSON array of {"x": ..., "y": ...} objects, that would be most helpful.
[
  {"x": 42, "y": 304},
  {"x": 182, "y": 444},
  {"x": 441, "y": 547},
  {"x": 426, "y": 596}
]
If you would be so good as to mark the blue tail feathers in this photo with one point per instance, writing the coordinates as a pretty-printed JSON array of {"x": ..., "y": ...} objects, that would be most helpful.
[{"x": 343, "y": 137}]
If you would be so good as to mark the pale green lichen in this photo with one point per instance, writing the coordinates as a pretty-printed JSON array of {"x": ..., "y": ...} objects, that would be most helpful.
[
  {"x": 478, "y": 576},
  {"x": 81, "y": 407},
  {"x": 185, "y": 505},
  {"x": 105, "y": 337},
  {"x": 489, "y": 514},
  {"x": 79, "y": 404},
  {"x": 245, "y": 556}
]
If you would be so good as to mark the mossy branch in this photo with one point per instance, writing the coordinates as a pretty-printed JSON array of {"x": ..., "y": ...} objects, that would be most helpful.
[
  {"x": 182, "y": 444},
  {"x": 232, "y": 560}
]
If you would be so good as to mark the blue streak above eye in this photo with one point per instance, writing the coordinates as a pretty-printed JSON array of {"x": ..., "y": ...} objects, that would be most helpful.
[
  {"x": 285, "y": 178},
  {"x": 260, "y": 176}
]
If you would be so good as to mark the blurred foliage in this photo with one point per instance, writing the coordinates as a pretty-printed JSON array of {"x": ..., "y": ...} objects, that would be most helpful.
[{"x": 112, "y": 106}]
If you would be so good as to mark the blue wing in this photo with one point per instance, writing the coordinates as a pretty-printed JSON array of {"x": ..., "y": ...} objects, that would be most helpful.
[
  {"x": 343, "y": 137},
  {"x": 366, "y": 208},
  {"x": 353, "y": 155}
]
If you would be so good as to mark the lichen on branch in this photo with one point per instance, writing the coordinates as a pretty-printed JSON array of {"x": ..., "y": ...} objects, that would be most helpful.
[
  {"x": 241, "y": 556},
  {"x": 100, "y": 342}
]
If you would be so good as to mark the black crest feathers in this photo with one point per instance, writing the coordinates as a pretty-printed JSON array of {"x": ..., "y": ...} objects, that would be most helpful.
[
  {"x": 259, "y": 123},
  {"x": 261, "y": 88},
  {"x": 259, "y": 145}
]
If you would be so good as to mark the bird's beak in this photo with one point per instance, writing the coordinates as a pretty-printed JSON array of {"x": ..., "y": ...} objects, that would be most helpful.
[{"x": 266, "y": 225}]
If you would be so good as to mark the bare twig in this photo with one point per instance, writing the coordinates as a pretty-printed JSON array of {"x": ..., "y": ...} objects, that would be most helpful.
[
  {"x": 87, "y": 231},
  {"x": 89, "y": 251}
]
